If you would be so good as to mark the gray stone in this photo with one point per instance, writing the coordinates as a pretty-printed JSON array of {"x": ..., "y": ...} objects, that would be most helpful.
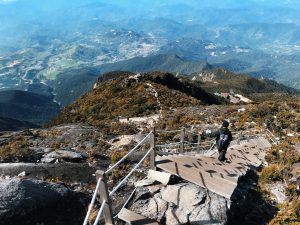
[
  {"x": 171, "y": 218},
  {"x": 30, "y": 202},
  {"x": 157, "y": 208},
  {"x": 145, "y": 182},
  {"x": 154, "y": 188},
  {"x": 183, "y": 203},
  {"x": 22, "y": 174},
  {"x": 184, "y": 196},
  {"x": 48, "y": 160},
  {"x": 214, "y": 211},
  {"x": 63, "y": 154},
  {"x": 162, "y": 177}
]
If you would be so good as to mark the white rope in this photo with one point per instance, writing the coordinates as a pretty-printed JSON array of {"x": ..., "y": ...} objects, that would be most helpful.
[
  {"x": 92, "y": 203},
  {"x": 167, "y": 131},
  {"x": 99, "y": 213},
  {"x": 128, "y": 154},
  {"x": 191, "y": 132},
  {"x": 131, "y": 172}
]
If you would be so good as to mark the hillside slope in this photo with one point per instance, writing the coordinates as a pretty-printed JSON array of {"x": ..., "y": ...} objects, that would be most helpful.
[
  {"x": 71, "y": 84},
  {"x": 8, "y": 124},
  {"x": 122, "y": 94},
  {"x": 222, "y": 80},
  {"x": 27, "y": 106},
  {"x": 171, "y": 63}
]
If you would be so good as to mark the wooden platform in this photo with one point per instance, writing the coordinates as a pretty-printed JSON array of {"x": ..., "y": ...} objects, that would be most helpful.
[{"x": 208, "y": 172}]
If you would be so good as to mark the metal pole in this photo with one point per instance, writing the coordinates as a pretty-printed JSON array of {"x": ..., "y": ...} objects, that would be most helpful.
[
  {"x": 239, "y": 139},
  {"x": 198, "y": 143},
  {"x": 104, "y": 198},
  {"x": 153, "y": 147},
  {"x": 181, "y": 150}
]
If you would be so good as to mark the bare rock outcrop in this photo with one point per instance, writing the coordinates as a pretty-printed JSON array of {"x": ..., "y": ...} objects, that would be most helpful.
[
  {"x": 181, "y": 203},
  {"x": 32, "y": 202}
]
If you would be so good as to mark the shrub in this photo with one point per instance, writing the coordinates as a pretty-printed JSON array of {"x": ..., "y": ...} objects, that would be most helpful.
[
  {"x": 271, "y": 173},
  {"x": 16, "y": 150}
]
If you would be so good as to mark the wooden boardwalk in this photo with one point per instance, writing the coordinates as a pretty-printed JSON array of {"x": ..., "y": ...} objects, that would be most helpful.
[
  {"x": 208, "y": 172},
  {"x": 203, "y": 169}
]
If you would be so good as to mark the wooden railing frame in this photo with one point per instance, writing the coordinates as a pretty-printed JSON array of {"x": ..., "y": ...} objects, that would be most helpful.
[{"x": 104, "y": 198}]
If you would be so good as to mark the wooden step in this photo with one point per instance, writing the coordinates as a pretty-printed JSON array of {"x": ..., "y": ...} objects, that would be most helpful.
[
  {"x": 221, "y": 170},
  {"x": 243, "y": 155},
  {"x": 246, "y": 155},
  {"x": 213, "y": 183},
  {"x": 133, "y": 218},
  {"x": 233, "y": 166}
]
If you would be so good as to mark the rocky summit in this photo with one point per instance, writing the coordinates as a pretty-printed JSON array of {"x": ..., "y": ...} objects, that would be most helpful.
[
  {"x": 53, "y": 169},
  {"x": 116, "y": 112}
]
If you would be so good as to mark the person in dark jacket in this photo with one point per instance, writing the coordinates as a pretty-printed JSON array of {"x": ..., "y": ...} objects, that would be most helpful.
[{"x": 223, "y": 139}]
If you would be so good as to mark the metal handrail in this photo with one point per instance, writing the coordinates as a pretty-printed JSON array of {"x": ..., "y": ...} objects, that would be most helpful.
[
  {"x": 99, "y": 213},
  {"x": 128, "y": 154},
  {"x": 167, "y": 131},
  {"x": 129, "y": 174},
  {"x": 168, "y": 144},
  {"x": 191, "y": 132},
  {"x": 92, "y": 203}
]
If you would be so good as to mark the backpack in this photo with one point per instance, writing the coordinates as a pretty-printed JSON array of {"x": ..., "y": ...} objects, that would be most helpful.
[{"x": 223, "y": 141}]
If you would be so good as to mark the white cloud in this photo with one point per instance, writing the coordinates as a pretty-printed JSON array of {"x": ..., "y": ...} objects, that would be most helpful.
[{"x": 7, "y": 1}]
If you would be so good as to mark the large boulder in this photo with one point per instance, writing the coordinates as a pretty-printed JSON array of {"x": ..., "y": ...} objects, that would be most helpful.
[
  {"x": 32, "y": 202},
  {"x": 182, "y": 203},
  {"x": 66, "y": 172}
]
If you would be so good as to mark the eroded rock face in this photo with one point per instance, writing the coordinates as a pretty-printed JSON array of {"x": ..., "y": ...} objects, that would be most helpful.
[
  {"x": 183, "y": 203},
  {"x": 32, "y": 202},
  {"x": 68, "y": 156}
]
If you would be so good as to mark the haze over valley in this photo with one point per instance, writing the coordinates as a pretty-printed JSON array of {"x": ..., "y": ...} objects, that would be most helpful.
[{"x": 41, "y": 41}]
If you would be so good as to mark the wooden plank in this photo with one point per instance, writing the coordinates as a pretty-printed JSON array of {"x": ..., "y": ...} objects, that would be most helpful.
[
  {"x": 104, "y": 196},
  {"x": 242, "y": 156},
  {"x": 245, "y": 155},
  {"x": 219, "y": 186},
  {"x": 238, "y": 167},
  {"x": 221, "y": 170},
  {"x": 133, "y": 218}
]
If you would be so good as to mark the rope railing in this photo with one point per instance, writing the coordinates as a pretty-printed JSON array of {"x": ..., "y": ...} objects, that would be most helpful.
[
  {"x": 99, "y": 213},
  {"x": 128, "y": 154},
  {"x": 130, "y": 173},
  {"x": 168, "y": 144},
  {"x": 167, "y": 131},
  {"x": 92, "y": 203},
  {"x": 191, "y": 132}
]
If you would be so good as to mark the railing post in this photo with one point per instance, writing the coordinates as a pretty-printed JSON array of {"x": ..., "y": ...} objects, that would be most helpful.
[
  {"x": 198, "y": 143},
  {"x": 182, "y": 135},
  {"x": 153, "y": 147},
  {"x": 104, "y": 196}
]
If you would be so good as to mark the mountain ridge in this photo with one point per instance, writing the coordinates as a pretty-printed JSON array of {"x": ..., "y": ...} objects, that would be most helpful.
[{"x": 27, "y": 106}]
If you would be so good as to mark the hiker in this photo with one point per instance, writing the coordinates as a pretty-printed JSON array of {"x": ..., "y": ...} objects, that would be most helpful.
[{"x": 223, "y": 139}]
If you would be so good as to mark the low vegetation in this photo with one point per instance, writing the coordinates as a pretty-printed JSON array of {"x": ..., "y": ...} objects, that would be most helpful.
[
  {"x": 281, "y": 159},
  {"x": 125, "y": 96},
  {"x": 16, "y": 150}
]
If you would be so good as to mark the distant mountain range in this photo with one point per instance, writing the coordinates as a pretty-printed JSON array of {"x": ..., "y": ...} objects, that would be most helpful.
[
  {"x": 59, "y": 57},
  {"x": 27, "y": 106},
  {"x": 8, "y": 124},
  {"x": 169, "y": 62},
  {"x": 221, "y": 80},
  {"x": 69, "y": 86}
]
